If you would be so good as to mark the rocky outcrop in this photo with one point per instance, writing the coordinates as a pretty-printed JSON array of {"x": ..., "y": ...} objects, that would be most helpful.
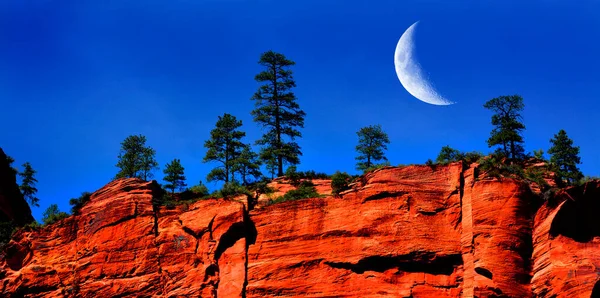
[
  {"x": 566, "y": 241},
  {"x": 121, "y": 245},
  {"x": 13, "y": 206},
  {"x": 417, "y": 231}
]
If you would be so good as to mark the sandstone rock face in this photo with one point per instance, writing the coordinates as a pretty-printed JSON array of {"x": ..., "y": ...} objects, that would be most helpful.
[
  {"x": 391, "y": 236},
  {"x": 417, "y": 231},
  {"x": 497, "y": 219},
  {"x": 121, "y": 245},
  {"x": 12, "y": 205},
  {"x": 566, "y": 238}
]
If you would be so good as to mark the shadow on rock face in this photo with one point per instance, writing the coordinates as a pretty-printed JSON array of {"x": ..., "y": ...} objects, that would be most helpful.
[{"x": 579, "y": 219}]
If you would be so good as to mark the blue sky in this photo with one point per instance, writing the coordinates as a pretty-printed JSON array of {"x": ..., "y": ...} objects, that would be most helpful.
[{"x": 77, "y": 77}]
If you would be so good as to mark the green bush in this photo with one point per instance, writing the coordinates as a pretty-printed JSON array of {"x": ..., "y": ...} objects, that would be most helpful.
[
  {"x": 293, "y": 175},
  {"x": 78, "y": 203},
  {"x": 305, "y": 190},
  {"x": 200, "y": 190},
  {"x": 52, "y": 215},
  {"x": 339, "y": 182},
  {"x": 232, "y": 189},
  {"x": 537, "y": 176},
  {"x": 377, "y": 166}
]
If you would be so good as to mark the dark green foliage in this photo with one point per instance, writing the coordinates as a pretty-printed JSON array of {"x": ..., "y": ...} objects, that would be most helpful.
[
  {"x": 7, "y": 227},
  {"x": 224, "y": 146},
  {"x": 507, "y": 125},
  {"x": 430, "y": 163},
  {"x": 278, "y": 112},
  {"x": 377, "y": 166},
  {"x": 471, "y": 157},
  {"x": 311, "y": 174},
  {"x": 247, "y": 165},
  {"x": 293, "y": 175},
  {"x": 536, "y": 175},
  {"x": 339, "y": 182},
  {"x": 495, "y": 165},
  {"x": 79, "y": 202},
  {"x": 10, "y": 161},
  {"x": 136, "y": 160},
  {"x": 372, "y": 141},
  {"x": 28, "y": 182},
  {"x": 565, "y": 158},
  {"x": 52, "y": 215},
  {"x": 200, "y": 190},
  {"x": 261, "y": 187},
  {"x": 232, "y": 189},
  {"x": 539, "y": 154},
  {"x": 174, "y": 176},
  {"x": 305, "y": 190},
  {"x": 448, "y": 155}
]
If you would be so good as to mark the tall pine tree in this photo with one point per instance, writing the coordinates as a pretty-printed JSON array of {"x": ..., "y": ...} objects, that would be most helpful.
[
  {"x": 28, "y": 182},
  {"x": 224, "y": 146},
  {"x": 507, "y": 125},
  {"x": 277, "y": 111},
  {"x": 174, "y": 176},
  {"x": 565, "y": 158},
  {"x": 372, "y": 141},
  {"x": 136, "y": 160}
]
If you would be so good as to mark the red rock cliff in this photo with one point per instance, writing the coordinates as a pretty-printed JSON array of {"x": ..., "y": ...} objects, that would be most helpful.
[{"x": 415, "y": 231}]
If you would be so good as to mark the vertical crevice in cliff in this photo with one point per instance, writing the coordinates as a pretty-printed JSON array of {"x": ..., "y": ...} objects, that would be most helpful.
[
  {"x": 251, "y": 234},
  {"x": 155, "y": 215}
]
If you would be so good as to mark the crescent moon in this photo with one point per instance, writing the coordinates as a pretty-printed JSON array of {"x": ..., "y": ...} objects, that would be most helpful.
[{"x": 410, "y": 73}]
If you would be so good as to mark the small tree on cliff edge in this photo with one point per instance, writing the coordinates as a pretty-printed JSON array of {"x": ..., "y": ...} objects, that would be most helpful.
[
  {"x": 565, "y": 157},
  {"x": 28, "y": 182},
  {"x": 507, "y": 125},
  {"x": 224, "y": 146},
  {"x": 174, "y": 176},
  {"x": 372, "y": 141},
  {"x": 136, "y": 160},
  {"x": 247, "y": 165},
  {"x": 277, "y": 111}
]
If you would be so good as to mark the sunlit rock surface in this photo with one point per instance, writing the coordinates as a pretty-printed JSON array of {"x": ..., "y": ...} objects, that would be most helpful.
[{"x": 416, "y": 231}]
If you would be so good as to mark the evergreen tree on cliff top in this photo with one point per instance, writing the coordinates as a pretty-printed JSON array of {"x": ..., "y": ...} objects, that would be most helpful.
[
  {"x": 565, "y": 157},
  {"x": 224, "y": 146},
  {"x": 507, "y": 125},
  {"x": 372, "y": 141},
  {"x": 136, "y": 160},
  {"x": 174, "y": 176},
  {"x": 28, "y": 182},
  {"x": 277, "y": 111},
  {"x": 247, "y": 165}
]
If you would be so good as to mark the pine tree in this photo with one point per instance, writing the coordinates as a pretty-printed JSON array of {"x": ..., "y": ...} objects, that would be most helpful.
[
  {"x": 507, "y": 130},
  {"x": 277, "y": 110},
  {"x": 224, "y": 146},
  {"x": 372, "y": 141},
  {"x": 565, "y": 157},
  {"x": 28, "y": 182},
  {"x": 136, "y": 160},
  {"x": 174, "y": 176},
  {"x": 248, "y": 165}
]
